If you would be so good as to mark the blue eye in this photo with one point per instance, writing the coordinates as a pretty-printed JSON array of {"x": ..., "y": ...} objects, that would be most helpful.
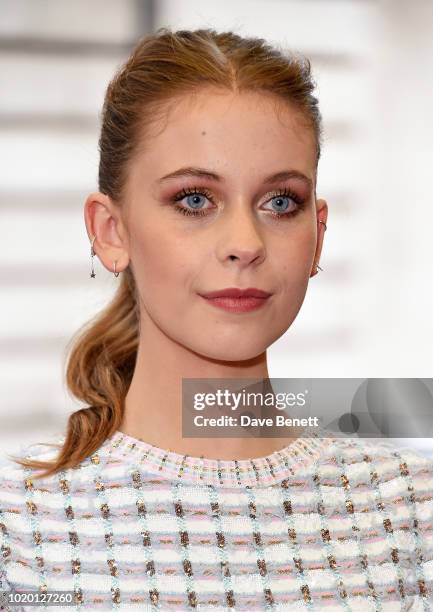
[
  {"x": 283, "y": 198},
  {"x": 197, "y": 210},
  {"x": 280, "y": 199},
  {"x": 192, "y": 196},
  {"x": 193, "y": 201}
]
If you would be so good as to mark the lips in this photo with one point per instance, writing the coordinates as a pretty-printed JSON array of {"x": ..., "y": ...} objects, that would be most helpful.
[{"x": 234, "y": 292}]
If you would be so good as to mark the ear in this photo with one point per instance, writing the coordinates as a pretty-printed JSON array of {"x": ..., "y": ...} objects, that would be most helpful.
[
  {"x": 321, "y": 215},
  {"x": 103, "y": 220}
]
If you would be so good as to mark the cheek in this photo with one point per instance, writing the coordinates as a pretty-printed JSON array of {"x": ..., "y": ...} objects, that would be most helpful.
[
  {"x": 296, "y": 253},
  {"x": 158, "y": 261}
]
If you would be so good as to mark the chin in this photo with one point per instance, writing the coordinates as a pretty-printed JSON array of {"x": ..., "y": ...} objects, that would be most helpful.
[{"x": 231, "y": 351}]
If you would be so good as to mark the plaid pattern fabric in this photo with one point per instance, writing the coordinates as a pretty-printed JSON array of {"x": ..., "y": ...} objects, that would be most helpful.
[{"x": 323, "y": 524}]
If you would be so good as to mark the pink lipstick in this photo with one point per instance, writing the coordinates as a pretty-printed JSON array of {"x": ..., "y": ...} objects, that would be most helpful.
[{"x": 233, "y": 299}]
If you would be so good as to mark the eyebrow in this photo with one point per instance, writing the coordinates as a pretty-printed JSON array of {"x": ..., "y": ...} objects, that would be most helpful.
[{"x": 202, "y": 173}]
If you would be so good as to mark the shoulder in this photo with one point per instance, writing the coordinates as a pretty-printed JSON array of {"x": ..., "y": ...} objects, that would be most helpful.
[
  {"x": 15, "y": 479},
  {"x": 383, "y": 487},
  {"x": 17, "y": 491},
  {"x": 378, "y": 463},
  {"x": 377, "y": 475},
  {"x": 386, "y": 456},
  {"x": 10, "y": 470}
]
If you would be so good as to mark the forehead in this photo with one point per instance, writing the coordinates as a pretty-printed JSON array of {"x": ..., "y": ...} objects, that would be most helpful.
[{"x": 238, "y": 133}]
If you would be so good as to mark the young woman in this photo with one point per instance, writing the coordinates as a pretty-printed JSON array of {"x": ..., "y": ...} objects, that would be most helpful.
[{"x": 209, "y": 151}]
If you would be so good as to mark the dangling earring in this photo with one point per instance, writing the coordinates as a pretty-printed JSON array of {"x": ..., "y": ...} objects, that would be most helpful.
[
  {"x": 316, "y": 270},
  {"x": 115, "y": 273},
  {"x": 317, "y": 265},
  {"x": 92, "y": 255}
]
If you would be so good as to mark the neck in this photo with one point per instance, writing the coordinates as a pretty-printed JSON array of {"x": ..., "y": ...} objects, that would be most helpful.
[{"x": 153, "y": 404}]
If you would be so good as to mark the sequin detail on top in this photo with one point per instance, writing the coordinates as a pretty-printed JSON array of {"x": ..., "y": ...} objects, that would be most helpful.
[
  {"x": 351, "y": 529},
  {"x": 260, "y": 471}
]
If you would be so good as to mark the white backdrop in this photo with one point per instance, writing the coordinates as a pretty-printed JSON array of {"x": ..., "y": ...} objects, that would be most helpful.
[{"x": 368, "y": 314}]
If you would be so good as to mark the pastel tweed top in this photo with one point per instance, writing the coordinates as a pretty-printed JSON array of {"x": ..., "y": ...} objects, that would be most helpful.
[{"x": 323, "y": 524}]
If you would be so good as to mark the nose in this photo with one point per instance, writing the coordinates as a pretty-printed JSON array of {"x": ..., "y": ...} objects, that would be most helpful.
[{"x": 240, "y": 239}]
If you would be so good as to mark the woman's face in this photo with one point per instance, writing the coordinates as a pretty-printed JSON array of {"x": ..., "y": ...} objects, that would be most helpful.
[{"x": 235, "y": 240}]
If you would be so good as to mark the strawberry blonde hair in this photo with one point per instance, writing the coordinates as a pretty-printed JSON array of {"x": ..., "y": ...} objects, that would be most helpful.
[{"x": 163, "y": 66}]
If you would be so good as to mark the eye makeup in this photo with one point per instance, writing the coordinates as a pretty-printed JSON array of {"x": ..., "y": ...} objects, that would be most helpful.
[{"x": 286, "y": 193}]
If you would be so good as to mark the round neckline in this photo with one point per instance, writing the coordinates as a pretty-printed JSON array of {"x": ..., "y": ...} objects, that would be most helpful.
[{"x": 257, "y": 471}]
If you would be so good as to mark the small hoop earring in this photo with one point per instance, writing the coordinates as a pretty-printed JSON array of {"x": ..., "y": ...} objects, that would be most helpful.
[
  {"x": 323, "y": 224},
  {"x": 115, "y": 273}
]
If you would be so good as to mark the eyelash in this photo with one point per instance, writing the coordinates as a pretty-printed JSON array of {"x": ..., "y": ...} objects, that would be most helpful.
[{"x": 202, "y": 191}]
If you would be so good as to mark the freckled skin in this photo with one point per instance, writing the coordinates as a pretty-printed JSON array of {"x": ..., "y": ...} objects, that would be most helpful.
[{"x": 237, "y": 244}]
